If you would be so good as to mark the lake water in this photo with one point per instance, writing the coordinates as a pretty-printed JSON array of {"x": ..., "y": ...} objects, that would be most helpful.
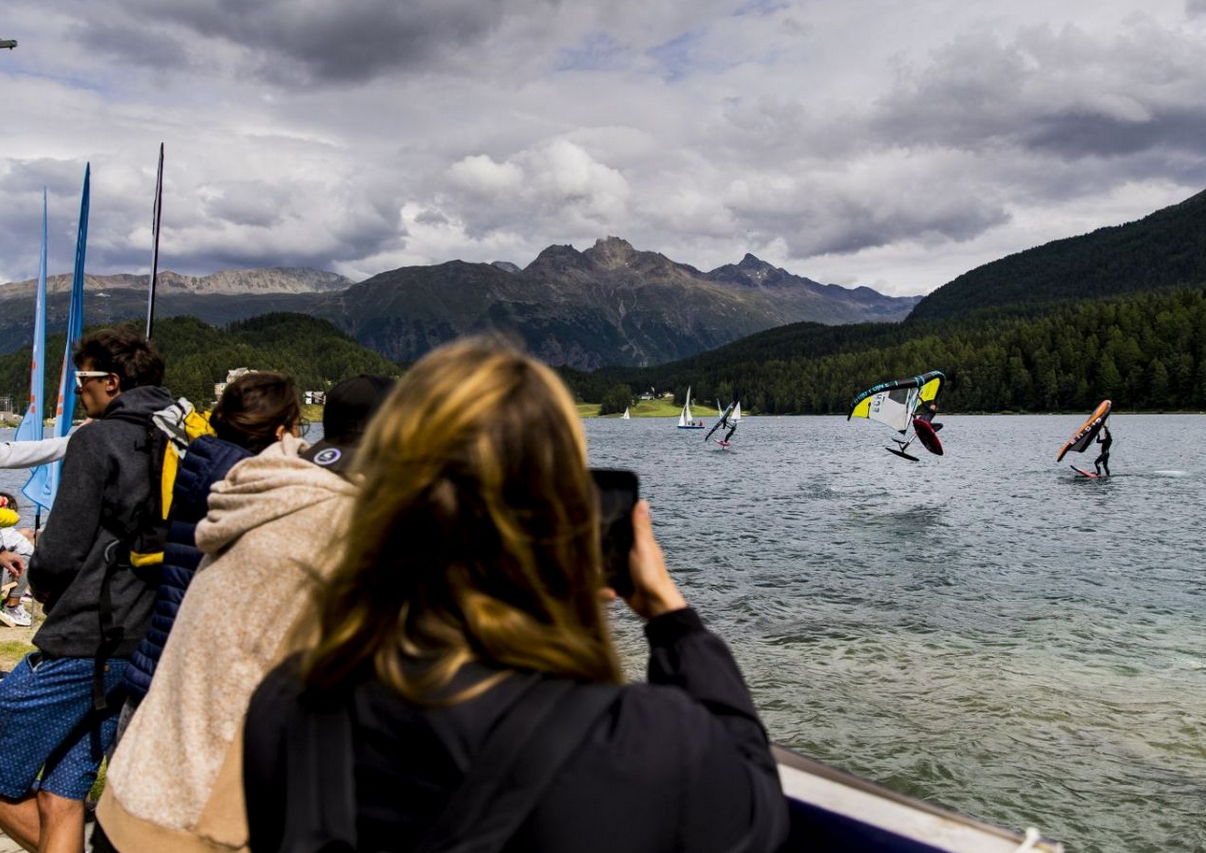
[{"x": 982, "y": 630}]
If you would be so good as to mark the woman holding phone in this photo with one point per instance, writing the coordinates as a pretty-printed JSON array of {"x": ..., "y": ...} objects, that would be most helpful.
[{"x": 463, "y": 685}]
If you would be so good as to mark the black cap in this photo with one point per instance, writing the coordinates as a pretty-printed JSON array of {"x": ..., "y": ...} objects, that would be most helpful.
[{"x": 349, "y": 407}]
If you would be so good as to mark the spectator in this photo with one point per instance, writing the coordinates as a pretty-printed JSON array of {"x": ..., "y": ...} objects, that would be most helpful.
[
  {"x": 465, "y": 619},
  {"x": 16, "y": 547},
  {"x": 256, "y": 410},
  {"x": 47, "y": 703},
  {"x": 271, "y": 537}
]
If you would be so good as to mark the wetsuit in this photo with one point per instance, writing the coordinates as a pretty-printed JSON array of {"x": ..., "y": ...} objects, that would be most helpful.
[{"x": 1103, "y": 460}]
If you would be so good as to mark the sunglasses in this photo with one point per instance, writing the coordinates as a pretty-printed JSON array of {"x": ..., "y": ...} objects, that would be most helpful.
[{"x": 82, "y": 376}]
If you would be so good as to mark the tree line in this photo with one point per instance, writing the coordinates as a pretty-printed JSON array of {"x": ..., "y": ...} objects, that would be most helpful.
[
  {"x": 198, "y": 356},
  {"x": 1144, "y": 352}
]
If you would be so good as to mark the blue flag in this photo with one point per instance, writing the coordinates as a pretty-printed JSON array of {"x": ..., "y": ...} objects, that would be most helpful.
[
  {"x": 31, "y": 423},
  {"x": 43, "y": 485}
]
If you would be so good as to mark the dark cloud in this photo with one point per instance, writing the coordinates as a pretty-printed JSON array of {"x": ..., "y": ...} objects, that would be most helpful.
[
  {"x": 303, "y": 42},
  {"x": 1078, "y": 133}
]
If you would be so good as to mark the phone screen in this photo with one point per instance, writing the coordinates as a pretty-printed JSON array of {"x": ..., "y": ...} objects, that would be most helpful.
[{"x": 618, "y": 494}]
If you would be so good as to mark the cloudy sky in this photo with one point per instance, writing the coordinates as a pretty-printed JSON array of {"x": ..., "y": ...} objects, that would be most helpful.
[{"x": 894, "y": 144}]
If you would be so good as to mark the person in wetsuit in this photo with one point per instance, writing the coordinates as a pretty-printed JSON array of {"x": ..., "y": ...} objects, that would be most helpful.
[
  {"x": 927, "y": 412},
  {"x": 1103, "y": 460}
]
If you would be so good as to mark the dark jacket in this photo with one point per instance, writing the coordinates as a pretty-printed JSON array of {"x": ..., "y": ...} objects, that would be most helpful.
[
  {"x": 106, "y": 476},
  {"x": 207, "y": 461},
  {"x": 681, "y": 763}
]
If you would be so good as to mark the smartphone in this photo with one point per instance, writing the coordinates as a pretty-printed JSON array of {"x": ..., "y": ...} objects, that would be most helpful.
[{"x": 618, "y": 494}]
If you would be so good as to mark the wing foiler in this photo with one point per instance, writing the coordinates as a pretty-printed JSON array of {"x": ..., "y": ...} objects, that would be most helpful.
[
  {"x": 896, "y": 403},
  {"x": 723, "y": 422},
  {"x": 1085, "y": 435}
]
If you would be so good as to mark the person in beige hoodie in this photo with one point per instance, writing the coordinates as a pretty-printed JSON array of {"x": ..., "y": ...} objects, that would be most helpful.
[{"x": 271, "y": 536}]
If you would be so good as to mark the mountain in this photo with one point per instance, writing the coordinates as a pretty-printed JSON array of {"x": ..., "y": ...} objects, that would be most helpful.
[
  {"x": 217, "y": 299},
  {"x": 1164, "y": 249},
  {"x": 609, "y": 304}
]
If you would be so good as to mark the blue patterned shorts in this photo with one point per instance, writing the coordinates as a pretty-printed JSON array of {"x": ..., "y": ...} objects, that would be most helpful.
[{"x": 48, "y": 727}]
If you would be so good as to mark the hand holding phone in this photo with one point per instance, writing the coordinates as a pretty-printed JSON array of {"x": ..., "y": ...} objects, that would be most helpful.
[{"x": 618, "y": 494}]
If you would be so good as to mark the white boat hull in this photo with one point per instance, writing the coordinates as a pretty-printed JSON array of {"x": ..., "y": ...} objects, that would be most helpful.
[{"x": 837, "y": 812}]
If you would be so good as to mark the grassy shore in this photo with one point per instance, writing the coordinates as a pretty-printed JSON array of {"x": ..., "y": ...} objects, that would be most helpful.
[{"x": 651, "y": 409}]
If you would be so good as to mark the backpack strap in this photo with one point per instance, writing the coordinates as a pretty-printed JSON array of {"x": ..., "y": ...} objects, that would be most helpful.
[
  {"x": 111, "y": 635},
  {"x": 320, "y": 783},
  {"x": 515, "y": 767}
]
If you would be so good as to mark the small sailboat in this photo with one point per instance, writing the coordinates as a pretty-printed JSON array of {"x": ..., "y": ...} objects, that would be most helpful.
[
  {"x": 626, "y": 416},
  {"x": 685, "y": 421}
]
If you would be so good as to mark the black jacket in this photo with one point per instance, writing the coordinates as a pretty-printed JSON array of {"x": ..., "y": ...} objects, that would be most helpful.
[
  {"x": 106, "y": 475},
  {"x": 679, "y": 764},
  {"x": 207, "y": 461}
]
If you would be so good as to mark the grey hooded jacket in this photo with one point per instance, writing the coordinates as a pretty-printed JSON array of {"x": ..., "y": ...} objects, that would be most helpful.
[{"x": 105, "y": 478}]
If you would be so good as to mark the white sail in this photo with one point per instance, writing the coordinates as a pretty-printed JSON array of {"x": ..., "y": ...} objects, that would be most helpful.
[
  {"x": 684, "y": 417},
  {"x": 736, "y": 416},
  {"x": 625, "y": 416}
]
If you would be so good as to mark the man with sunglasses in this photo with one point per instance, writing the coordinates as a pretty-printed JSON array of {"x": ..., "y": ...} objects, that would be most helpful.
[{"x": 52, "y": 704}]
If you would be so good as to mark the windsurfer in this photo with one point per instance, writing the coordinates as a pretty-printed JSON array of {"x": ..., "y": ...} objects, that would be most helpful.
[{"x": 1103, "y": 460}]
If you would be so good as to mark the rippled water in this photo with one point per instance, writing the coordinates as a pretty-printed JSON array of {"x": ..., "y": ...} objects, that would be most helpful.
[{"x": 983, "y": 630}]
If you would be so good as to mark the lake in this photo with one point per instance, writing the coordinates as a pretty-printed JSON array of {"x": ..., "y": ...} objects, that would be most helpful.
[{"x": 982, "y": 629}]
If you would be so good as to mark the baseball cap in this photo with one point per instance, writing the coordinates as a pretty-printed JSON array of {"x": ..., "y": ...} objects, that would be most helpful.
[{"x": 349, "y": 407}]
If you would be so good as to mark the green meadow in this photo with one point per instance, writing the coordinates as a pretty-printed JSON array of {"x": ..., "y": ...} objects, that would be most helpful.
[{"x": 651, "y": 409}]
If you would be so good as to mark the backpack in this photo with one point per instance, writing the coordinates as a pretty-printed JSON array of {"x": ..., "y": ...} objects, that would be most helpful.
[
  {"x": 168, "y": 436},
  {"x": 141, "y": 537}
]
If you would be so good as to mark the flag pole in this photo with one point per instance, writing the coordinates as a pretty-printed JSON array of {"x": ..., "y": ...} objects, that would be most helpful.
[{"x": 156, "y": 213}]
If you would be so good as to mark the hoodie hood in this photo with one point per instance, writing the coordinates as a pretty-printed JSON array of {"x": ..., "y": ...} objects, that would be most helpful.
[
  {"x": 266, "y": 488},
  {"x": 138, "y": 404}
]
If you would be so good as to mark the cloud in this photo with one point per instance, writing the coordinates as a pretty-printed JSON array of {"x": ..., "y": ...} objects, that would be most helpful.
[
  {"x": 307, "y": 41},
  {"x": 846, "y": 141}
]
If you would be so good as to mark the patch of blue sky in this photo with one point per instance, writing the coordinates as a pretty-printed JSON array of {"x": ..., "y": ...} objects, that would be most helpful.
[
  {"x": 676, "y": 56},
  {"x": 597, "y": 51},
  {"x": 759, "y": 7}
]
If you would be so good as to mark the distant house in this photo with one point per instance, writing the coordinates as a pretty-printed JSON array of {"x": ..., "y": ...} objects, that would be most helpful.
[
  {"x": 314, "y": 398},
  {"x": 231, "y": 376}
]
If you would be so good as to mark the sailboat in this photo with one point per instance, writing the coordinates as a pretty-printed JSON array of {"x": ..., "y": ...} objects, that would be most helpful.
[
  {"x": 626, "y": 416},
  {"x": 736, "y": 416},
  {"x": 685, "y": 421}
]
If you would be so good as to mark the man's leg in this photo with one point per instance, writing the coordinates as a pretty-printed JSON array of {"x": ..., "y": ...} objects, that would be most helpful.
[
  {"x": 63, "y": 823},
  {"x": 19, "y": 821}
]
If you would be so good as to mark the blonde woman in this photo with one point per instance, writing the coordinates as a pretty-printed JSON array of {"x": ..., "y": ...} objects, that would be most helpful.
[{"x": 464, "y": 687}]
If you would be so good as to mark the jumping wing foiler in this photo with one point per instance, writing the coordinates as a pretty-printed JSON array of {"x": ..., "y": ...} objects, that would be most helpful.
[
  {"x": 1088, "y": 431},
  {"x": 724, "y": 420},
  {"x": 896, "y": 403}
]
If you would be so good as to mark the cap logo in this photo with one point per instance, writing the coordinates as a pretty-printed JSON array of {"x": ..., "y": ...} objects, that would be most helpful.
[{"x": 329, "y": 456}]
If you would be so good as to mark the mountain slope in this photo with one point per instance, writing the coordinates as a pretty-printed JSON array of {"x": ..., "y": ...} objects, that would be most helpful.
[
  {"x": 609, "y": 304},
  {"x": 1165, "y": 249}
]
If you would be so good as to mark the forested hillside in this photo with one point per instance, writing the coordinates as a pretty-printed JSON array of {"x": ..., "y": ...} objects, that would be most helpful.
[
  {"x": 1165, "y": 249},
  {"x": 198, "y": 355},
  {"x": 1144, "y": 352}
]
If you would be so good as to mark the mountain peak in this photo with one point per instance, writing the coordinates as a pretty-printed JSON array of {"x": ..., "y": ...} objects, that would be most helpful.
[{"x": 611, "y": 252}]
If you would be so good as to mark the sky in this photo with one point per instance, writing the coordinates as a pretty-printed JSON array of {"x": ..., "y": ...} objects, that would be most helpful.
[{"x": 857, "y": 142}]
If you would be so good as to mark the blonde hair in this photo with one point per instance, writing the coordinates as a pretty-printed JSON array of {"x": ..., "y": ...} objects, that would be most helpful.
[{"x": 474, "y": 536}]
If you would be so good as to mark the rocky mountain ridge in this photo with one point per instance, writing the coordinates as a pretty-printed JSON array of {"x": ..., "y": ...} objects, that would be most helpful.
[{"x": 608, "y": 304}]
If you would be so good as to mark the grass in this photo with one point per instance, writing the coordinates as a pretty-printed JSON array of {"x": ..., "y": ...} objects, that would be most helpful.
[
  {"x": 11, "y": 652},
  {"x": 651, "y": 409}
]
